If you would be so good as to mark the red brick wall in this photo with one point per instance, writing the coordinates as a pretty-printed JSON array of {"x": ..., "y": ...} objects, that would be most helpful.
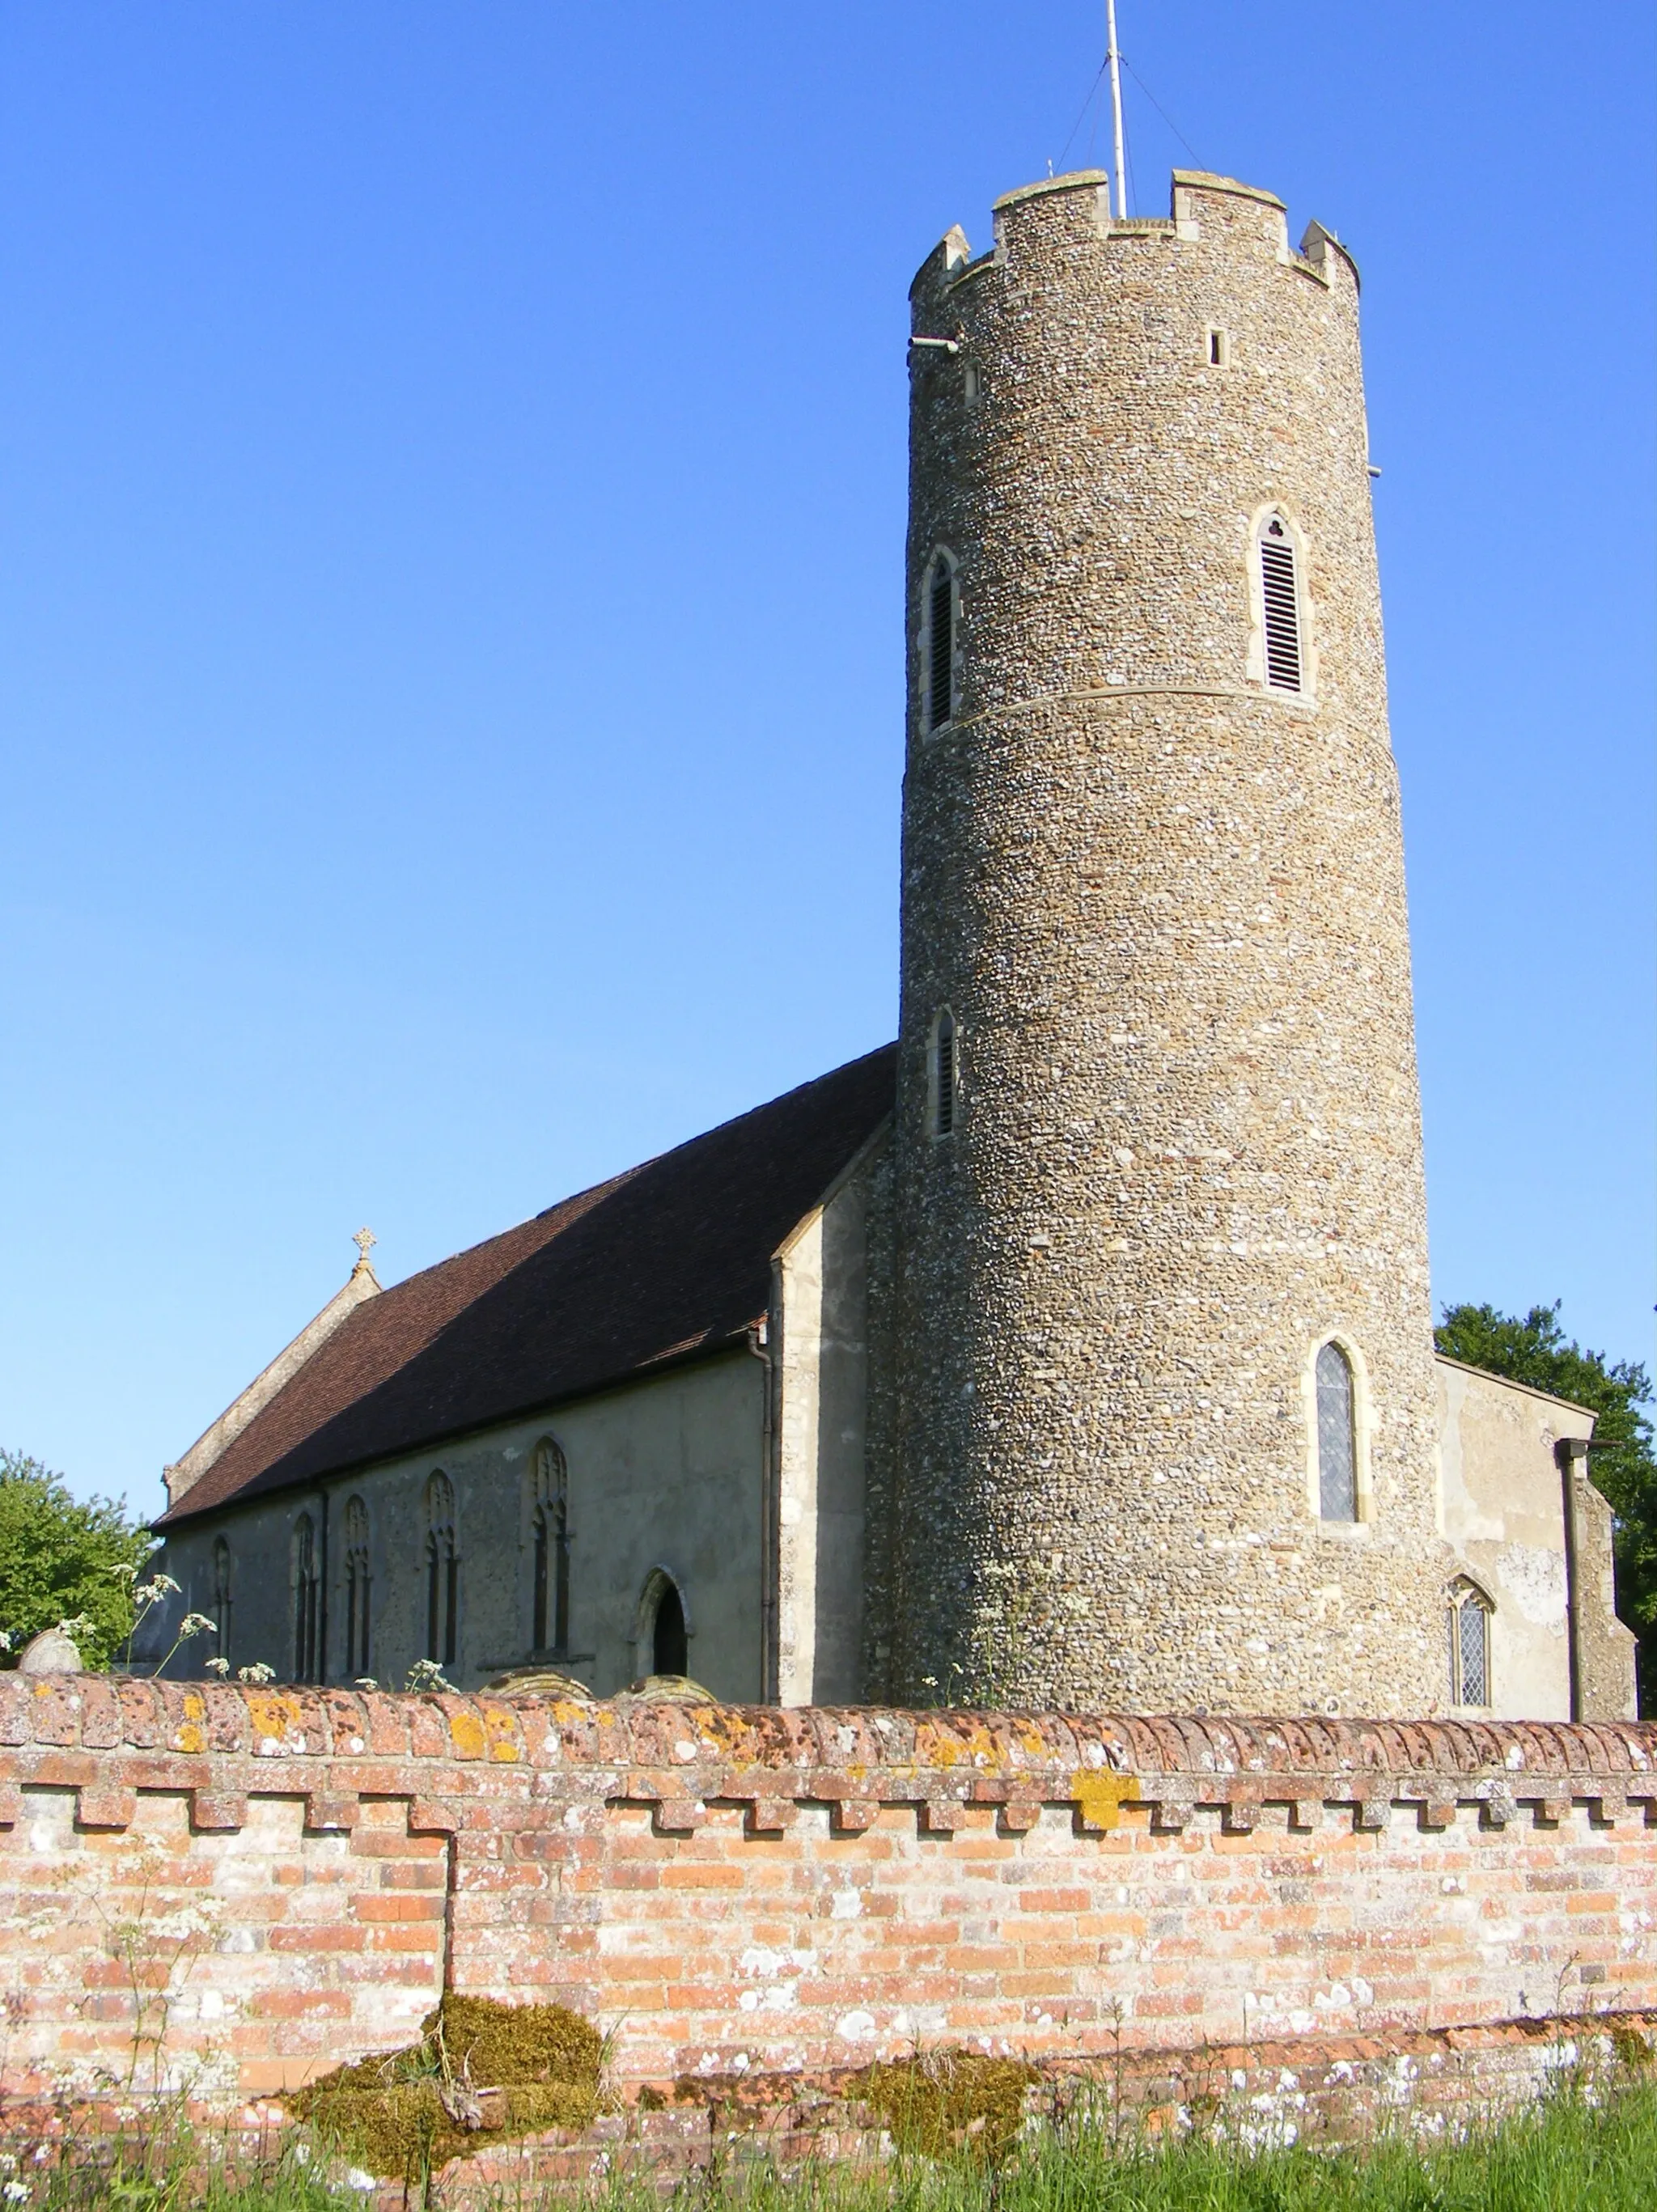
[{"x": 263, "y": 1884}]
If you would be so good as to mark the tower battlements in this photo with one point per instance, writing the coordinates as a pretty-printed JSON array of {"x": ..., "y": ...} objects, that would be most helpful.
[{"x": 1205, "y": 210}]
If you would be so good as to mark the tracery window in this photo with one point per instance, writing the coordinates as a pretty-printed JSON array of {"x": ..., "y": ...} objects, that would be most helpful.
[
  {"x": 356, "y": 1588},
  {"x": 443, "y": 1572},
  {"x": 1280, "y": 600},
  {"x": 550, "y": 1628},
  {"x": 1468, "y": 1619},
  {"x": 1337, "y": 1465},
  {"x": 938, "y": 641},
  {"x": 306, "y": 1654}
]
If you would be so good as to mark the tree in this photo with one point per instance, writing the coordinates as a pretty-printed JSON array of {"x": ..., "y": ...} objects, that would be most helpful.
[
  {"x": 1537, "y": 1350},
  {"x": 60, "y": 1560}
]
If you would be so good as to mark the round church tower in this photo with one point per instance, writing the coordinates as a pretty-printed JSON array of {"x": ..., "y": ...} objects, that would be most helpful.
[{"x": 1162, "y": 1429}]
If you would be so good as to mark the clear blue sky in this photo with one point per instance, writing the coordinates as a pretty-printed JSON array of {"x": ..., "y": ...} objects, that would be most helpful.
[{"x": 451, "y": 635}]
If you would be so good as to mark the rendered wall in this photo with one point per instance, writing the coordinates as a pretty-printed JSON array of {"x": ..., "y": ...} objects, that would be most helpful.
[
  {"x": 730, "y": 1889},
  {"x": 663, "y": 1474},
  {"x": 1504, "y": 1501}
]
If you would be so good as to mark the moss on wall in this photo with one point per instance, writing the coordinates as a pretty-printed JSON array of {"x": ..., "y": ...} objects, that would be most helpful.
[{"x": 481, "y": 2072}]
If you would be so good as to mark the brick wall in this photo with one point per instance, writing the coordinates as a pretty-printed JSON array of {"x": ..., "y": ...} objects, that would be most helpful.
[{"x": 267, "y": 1883}]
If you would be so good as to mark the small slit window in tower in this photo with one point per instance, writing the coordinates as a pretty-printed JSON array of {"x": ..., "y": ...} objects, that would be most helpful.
[
  {"x": 940, "y": 644},
  {"x": 1469, "y": 1624},
  {"x": 945, "y": 1076},
  {"x": 1219, "y": 349},
  {"x": 1338, "y": 1484},
  {"x": 1280, "y": 595}
]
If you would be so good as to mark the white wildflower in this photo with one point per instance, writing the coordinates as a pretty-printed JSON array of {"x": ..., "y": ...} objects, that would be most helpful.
[
  {"x": 219, "y": 1665},
  {"x": 15, "y": 2192},
  {"x": 258, "y": 1672},
  {"x": 196, "y": 1624},
  {"x": 367, "y": 1682},
  {"x": 425, "y": 1675}
]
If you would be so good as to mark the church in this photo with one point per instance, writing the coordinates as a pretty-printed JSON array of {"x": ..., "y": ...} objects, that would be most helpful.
[{"x": 1075, "y": 1351}]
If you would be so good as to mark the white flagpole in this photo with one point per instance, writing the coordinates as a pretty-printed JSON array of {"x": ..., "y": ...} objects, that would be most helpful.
[{"x": 1115, "y": 61}]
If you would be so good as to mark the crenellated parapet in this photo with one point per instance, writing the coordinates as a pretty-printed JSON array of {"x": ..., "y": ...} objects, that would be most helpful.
[{"x": 111, "y": 1738}]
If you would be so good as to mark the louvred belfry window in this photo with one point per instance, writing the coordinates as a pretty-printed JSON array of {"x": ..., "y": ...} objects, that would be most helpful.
[
  {"x": 1280, "y": 593},
  {"x": 940, "y": 644}
]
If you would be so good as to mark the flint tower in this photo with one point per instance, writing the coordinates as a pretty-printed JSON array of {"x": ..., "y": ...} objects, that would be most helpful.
[{"x": 1160, "y": 1431}]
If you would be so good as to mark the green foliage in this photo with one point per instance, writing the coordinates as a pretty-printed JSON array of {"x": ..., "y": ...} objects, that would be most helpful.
[
  {"x": 60, "y": 1559},
  {"x": 1537, "y": 1350},
  {"x": 1589, "y": 2148}
]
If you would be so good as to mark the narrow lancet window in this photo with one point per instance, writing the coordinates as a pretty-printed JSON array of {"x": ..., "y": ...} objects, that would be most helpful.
[
  {"x": 549, "y": 1620},
  {"x": 306, "y": 1655},
  {"x": 1338, "y": 1470},
  {"x": 356, "y": 1589},
  {"x": 1469, "y": 1622},
  {"x": 1280, "y": 600},
  {"x": 221, "y": 1571},
  {"x": 939, "y": 670},
  {"x": 442, "y": 1573}
]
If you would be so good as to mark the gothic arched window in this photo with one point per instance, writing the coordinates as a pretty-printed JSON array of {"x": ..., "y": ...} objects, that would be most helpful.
[
  {"x": 549, "y": 1627},
  {"x": 1470, "y": 1614},
  {"x": 1280, "y": 603},
  {"x": 221, "y": 1569},
  {"x": 443, "y": 1572},
  {"x": 306, "y": 1656},
  {"x": 1337, "y": 1459},
  {"x": 356, "y": 1588},
  {"x": 939, "y": 616}
]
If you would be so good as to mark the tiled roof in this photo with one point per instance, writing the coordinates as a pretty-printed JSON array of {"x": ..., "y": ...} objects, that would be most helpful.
[{"x": 668, "y": 1261}]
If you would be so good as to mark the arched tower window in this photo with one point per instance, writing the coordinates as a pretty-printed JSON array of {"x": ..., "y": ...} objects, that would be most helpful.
[
  {"x": 939, "y": 609},
  {"x": 356, "y": 1588},
  {"x": 1338, "y": 1459},
  {"x": 221, "y": 1570},
  {"x": 944, "y": 1074},
  {"x": 549, "y": 1629},
  {"x": 1469, "y": 1618},
  {"x": 443, "y": 1572},
  {"x": 1280, "y": 603},
  {"x": 306, "y": 1654}
]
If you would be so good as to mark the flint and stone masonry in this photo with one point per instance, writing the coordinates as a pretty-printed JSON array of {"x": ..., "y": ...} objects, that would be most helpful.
[{"x": 1162, "y": 902}]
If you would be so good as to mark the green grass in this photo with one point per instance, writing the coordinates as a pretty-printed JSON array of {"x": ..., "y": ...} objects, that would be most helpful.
[{"x": 1572, "y": 2155}]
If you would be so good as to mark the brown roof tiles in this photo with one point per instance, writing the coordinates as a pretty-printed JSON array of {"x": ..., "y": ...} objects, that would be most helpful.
[{"x": 668, "y": 1261}]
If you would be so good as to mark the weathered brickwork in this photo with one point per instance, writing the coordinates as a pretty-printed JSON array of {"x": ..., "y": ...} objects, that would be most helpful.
[
  {"x": 734, "y": 1889},
  {"x": 1165, "y": 905}
]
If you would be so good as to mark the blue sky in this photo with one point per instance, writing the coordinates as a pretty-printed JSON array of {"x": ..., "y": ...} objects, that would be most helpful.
[{"x": 451, "y": 630}]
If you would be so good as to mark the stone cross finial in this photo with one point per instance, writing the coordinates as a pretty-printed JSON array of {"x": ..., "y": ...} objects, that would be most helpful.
[{"x": 364, "y": 1240}]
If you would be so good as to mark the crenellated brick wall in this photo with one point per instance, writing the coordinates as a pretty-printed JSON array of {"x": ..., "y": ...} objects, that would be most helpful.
[{"x": 266, "y": 1883}]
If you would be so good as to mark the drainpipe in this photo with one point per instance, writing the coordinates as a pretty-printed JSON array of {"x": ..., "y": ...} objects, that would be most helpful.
[{"x": 759, "y": 1343}]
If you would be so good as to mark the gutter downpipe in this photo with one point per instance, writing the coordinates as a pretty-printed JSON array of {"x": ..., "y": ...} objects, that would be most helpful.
[{"x": 759, "y": 1343}]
